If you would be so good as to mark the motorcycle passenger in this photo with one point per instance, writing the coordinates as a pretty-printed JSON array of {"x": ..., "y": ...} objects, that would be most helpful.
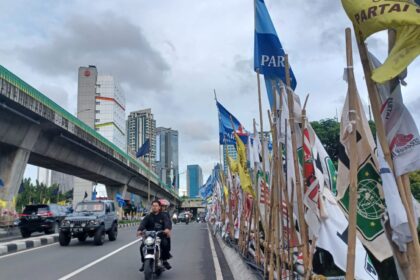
[
  {"x": 157, "y": 220},
  {"x": 164, "y": 205}
]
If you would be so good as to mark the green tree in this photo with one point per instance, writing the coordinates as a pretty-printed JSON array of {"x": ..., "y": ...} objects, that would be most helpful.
[
  {"x": 328, "y": 131},
  {"x": 415, "y": 184}
]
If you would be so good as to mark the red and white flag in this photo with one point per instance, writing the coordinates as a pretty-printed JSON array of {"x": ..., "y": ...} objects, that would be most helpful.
[{"x": 401, "y": 130}]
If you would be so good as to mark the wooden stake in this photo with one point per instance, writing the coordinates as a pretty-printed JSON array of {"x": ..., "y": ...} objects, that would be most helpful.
[
  {"x": 262, "y": 142},
  {"x": 351, "y": 257},
  {"x": 302, "y": 224},
  {"x": 413, "y": 268},
  {"x": 376, "y": 106}
]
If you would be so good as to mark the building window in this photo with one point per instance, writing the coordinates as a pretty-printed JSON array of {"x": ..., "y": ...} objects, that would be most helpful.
[
  {"x": 98, "y": 102},
  {"x": 97, "y": 111},
  {"x": 97, "y": 120}
]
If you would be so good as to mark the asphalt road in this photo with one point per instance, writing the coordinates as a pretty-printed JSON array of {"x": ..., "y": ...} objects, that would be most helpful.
[{"x": 119, "y": 259}]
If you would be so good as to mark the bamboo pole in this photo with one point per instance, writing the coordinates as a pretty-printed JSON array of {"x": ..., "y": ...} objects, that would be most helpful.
[
  {"x": 262, "y": 140},
  {"x": 257, "y": 207},
  {"x": 230, "y": 213},
  {"x": 291, "y": 229},
  {"x": 305, "y": 185},
  {"x": 276, "y": 185},
  {"x": 267, "y": 241},
  {"x": 351, "y": 258},
  {"x": 280, "y": 195},
  {"x": 411, "y": 247},
  {"x": 273, "y": 201},
  {"x": 302, "y": 224},
  {"x": 376, "y": 105}
]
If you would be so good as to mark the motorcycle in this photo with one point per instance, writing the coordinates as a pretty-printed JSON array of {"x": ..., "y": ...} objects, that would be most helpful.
[
  {"x": 151, "y": 251},
  {"x": 174, "y": 218}
]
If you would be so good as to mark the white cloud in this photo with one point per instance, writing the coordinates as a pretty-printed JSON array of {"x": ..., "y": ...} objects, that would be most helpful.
[{"x": 170, "y": 55}]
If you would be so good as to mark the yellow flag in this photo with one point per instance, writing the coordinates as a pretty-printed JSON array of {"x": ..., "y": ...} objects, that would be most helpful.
[
  {"x": 246, "y": 183},
  {"x": 240, "y": 148},
  {"x": 405, "y": 50},
  {"x": 3, "y": 203},
  {"x": 233, "y": 165},
  {"x": 62, "y": 203},
  {"x": 226, "y": 192},
  {"x": 403, "y": 16}
]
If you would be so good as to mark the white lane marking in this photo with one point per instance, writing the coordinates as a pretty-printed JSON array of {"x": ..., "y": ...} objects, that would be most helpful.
[
  {"x": 219, "y": 275},
  {"x": 27, "y": 250},
  {"x": 68, "y": 276}
]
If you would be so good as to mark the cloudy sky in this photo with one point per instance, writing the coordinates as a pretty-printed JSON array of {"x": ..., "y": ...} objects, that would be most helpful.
[{"x": 170, "y": 56}]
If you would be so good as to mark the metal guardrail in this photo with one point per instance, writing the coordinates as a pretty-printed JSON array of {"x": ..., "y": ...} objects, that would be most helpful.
[{"x": 19, "y": 91}]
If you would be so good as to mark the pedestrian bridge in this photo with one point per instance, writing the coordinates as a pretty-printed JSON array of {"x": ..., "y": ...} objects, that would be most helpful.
[{"x": 36, "y": 130}]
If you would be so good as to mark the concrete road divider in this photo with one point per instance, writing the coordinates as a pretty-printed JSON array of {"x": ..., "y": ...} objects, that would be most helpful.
[{"x": 28, "y": 243}]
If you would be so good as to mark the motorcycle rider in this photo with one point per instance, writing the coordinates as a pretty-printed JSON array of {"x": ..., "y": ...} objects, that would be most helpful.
[{"x": 157, "y": 220}]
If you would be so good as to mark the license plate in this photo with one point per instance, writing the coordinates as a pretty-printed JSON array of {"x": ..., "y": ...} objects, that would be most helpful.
[{"x": 77, "y": 229}]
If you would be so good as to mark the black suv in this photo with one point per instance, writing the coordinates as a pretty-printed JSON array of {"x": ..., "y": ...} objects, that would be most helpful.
[
  {"x": 41, "y": 218},
  {"x": 90, "y": 218}
]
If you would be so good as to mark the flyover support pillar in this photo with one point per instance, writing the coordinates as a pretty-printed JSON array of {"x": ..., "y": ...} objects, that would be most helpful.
[
  {"x": 12, "y": 166},
  {"x": 112, "y": 192},
  {"x": 13, "y": 160}
]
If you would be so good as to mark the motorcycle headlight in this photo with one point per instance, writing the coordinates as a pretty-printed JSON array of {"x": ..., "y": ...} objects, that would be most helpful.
[
  {"x": 65, "y": 223},
  {"x": 149, "y": 241}
]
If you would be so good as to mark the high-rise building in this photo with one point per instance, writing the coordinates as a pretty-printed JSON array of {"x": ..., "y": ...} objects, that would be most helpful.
[
  {"x": 194, "y": 180},
  {"x": 167, "y": 156},
  {"x": 229, "y": 150},
  {"x": 110, "y": 111},
  {"x": 140, "y": 127},
  {"x": 44, "y": 176},
  {"x": 51, "y": 177},
  {"x": 101, "y": 105},
  {"x": 64, "y": 181}
]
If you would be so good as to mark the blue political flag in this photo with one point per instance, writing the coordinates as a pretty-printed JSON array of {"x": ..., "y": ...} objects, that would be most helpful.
[
  {"x": 120, "y": 200},
  {"x": 144, "y": 149},
  {"x": 207, "y": 189},
  {"x": 1, "y": 183},
  {"x": 268, "y": 51},
  {"x": 226, "y": 132},
  {"x": 94, "y": 193}
]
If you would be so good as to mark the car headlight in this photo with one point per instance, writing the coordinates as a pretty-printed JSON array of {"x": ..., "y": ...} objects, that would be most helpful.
[
  {"x": 65, "y": 223},
  {"x": 93, "y": 222},
  {"x": 149, "y": 241}
]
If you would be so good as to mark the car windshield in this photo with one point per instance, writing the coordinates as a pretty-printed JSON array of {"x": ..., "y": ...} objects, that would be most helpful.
[
  {"x": 37, "y": 209},
  {"x": 89, "y": 207}
]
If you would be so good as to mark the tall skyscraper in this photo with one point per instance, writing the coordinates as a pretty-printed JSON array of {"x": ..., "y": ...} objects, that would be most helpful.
[
  {"x": 101, "y": 105},
  {"x": 229, "y": 150},
  {"x": 167, "y": 156},
  {"x": 194, "y": 180},
  {"x": 44, "y": 176},
  {"x": 140, "y": 127},
  {"x": 64, "y": 181},
  {"x": 110, "y": 111},
  {"x": 51, "y": 177}
]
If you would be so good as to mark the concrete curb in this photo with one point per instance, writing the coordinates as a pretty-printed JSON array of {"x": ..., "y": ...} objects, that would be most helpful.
[
  {"x": 24, "y": 244},
  {"x": 238, "y": 267}
]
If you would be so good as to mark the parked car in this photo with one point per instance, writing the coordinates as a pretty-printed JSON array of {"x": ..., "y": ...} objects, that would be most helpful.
[
  {"x": 90, "y": 218},
  {"x": 41, "y": 218}
]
